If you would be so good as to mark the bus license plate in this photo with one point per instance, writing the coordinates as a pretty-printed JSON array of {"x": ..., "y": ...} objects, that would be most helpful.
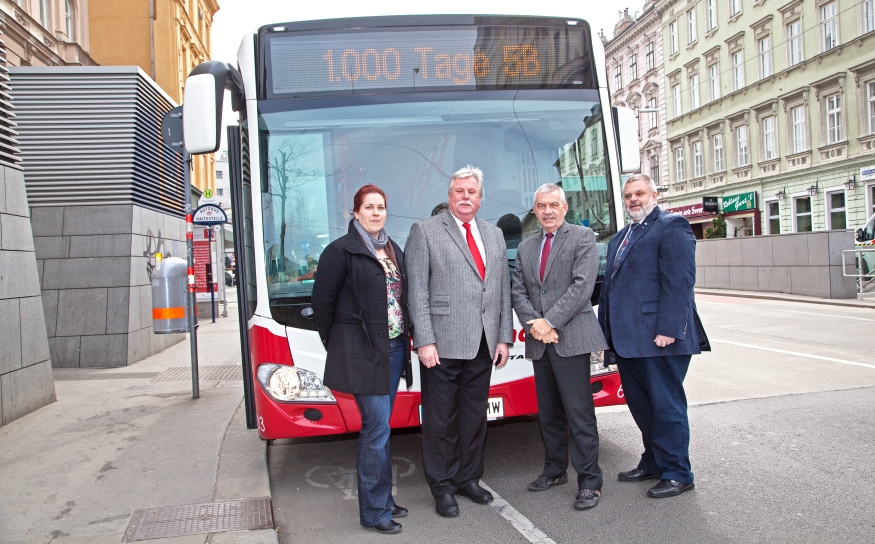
[{"x": 494, "y": 409}]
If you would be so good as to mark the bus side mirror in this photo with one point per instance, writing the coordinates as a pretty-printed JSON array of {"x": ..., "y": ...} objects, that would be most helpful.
[
  {"x": 860, "y": 235},
  {"x": 627, "y": 128},
  {"x": 202, "y": 104}
]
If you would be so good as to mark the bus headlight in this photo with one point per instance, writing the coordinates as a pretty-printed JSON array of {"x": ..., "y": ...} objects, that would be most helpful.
[{"x": 292, "y": 384}]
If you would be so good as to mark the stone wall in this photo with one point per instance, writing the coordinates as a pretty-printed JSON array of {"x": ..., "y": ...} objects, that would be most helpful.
[
  {"x": 94, "y": 264},
  {"x": 26, "y": 381},
  {"x": 807, "y": 264}
]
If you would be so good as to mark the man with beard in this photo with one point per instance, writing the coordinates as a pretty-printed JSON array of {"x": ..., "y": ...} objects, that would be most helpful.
[
  {"x": 462, "y": 325},
  {"x": 648, "y": 314}
]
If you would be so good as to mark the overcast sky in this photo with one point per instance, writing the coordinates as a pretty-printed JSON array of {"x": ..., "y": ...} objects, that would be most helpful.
[{"x": 238, "y": 17}]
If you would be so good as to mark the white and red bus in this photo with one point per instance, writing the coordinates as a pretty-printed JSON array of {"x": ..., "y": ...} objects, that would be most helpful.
[{"x": 402, "y": 102}]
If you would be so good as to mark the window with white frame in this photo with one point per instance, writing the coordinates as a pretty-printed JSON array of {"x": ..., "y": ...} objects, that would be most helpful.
[
  {"x": 673, "y": 37},
  {"x": 871, "y": 190},
  {"x": 633, "y": 67},
  {"x": 679, "y": 164},
  {"x": 836, "y": 210},
  {"x": 654, "y": 169},
  {"x": 618, "y": 77},
  {"x": 698, "y": 170},
  {"x": 802, "y": 213},
  {"x": 653, "y": 119},
  {"x": 742, "y": 157},
  {"x": 44, "y": 14},
  {"x": 714, "y": 81},
  {"x": 648, "y": 56},
  {"x": 770, "y": 140},
  {"x": 734, "y": 7},
  {"x": 797, "y": 118},
  {"x": 737, "y": 70},
  {"x": 794, "y": 43},
  {"x": 764, "y": 47},
  {"x": 868, "y": 16},
  {"x": 833, "y": 119},
  {"x": 829, "y": 26},
  {"x": 219, "y": 190},
  {"x": 594, "y": 145},
  {"x": 773, "y": 214},
  {"x": 711, "y": 14},
  {"x": 870, "y": 105},
  {"x": 691, "y": 26},
  {"x": 694, "y": 92},
  {"x": 70, "y": 20},
  {"x": 676, "y": 100},
  {"x": 717, "y": 143}
]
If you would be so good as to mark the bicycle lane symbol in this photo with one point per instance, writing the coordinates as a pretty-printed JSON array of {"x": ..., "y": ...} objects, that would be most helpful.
[{"x": 345, "y": 479}]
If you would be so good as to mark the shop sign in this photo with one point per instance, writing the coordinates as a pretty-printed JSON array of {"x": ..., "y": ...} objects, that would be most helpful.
[
  {"x": 693, "y": 210},
  {"x": 711, "y": 204},
  {"x": 867, "y": 173},
  {"x": 739, "y": 203}
]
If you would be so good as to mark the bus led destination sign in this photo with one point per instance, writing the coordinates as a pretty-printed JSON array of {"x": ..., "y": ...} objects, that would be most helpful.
[{"x": 465, "y": 57}]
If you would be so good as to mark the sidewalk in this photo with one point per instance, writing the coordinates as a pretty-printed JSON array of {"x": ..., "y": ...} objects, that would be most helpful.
[
  {"x": 851, "y": 303},
  {"x": 124, "y": 439}
]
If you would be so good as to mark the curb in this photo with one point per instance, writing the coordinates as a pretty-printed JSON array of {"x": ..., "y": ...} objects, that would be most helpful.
[{"x": 848, "y": 303}]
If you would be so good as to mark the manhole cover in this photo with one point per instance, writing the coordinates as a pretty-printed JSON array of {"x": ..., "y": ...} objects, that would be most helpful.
[
  {"x": 196, "y": 519},
  {"x": 183, "y": 373}
]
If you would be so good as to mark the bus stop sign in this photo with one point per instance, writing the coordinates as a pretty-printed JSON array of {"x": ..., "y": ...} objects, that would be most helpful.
[{"x": 209, "y": 214}]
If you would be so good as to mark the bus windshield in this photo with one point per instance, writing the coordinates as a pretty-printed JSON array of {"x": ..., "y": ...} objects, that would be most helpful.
[{"x": 317, "y": 152}]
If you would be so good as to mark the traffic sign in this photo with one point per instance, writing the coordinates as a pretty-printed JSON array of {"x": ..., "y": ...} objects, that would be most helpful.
[
  {"x": 171, "y": 130},
  {"x": 209, "y": 214}
]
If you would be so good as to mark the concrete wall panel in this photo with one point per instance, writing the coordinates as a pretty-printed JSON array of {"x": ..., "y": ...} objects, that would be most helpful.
[
  {"x": 15, "y": 232},
  {"x": 86, "y": 272},
  {"x": 19, "y": 273},
  {"x": 774, "y": 279},
  {"x": 101, "y": 245},
  {"x": 810, "y": 281},
  {"x": 717, "y": 277},
  {"x": 743, "y": 278},
  {"x": 81, "y": 312},
  {"x": 10, "y": 335},
  {"x": 757, "y": 251},
  {"x": 34, "y": 344},
  {"x": 729, "y": 253},
  {"x": 841, "y": 286},
  {"x": 16, "y": 194},
  {"x": 50, "y": 310},
  {"x": 138, "y": 345},
  {"x": 26, "y": 390},
  {"x": 51, "y": 247},
  {"x": 818, "y": 248},
  {"x": 117, "y": 303},
  {"x": 104, "y": 350},
  {"x": 48, "y": 221},
  {"x": 85, "y": 220},
  {"x": 840, "y": 241},
  {"x": 790, "y": 250},
  {"x": 65, "y": 351}
]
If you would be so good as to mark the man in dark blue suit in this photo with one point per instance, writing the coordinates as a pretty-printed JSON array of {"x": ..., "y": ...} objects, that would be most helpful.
[{"x": 648, "y": 315}]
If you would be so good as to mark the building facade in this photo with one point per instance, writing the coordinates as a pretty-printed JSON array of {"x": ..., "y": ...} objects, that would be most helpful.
[
  {"x": 166, "y": 39},
  {"x": 771, "y": 109},
  {"x": 634, "y": 62},
  {"x": 46, "y": 32}
]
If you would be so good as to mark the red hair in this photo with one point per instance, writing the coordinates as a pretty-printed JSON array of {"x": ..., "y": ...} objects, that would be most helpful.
[{"x": 360, "y": 195}]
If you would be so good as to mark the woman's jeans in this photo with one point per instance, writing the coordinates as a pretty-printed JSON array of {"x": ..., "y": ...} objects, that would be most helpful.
[{"x": 374, "y": 463}]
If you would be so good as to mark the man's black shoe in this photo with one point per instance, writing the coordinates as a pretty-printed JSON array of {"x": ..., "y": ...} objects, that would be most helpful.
[
  {"x": 668, "y": 488},
  {"x": 398, "y": 511},
  {"x": 636, "y": 475},
  {"x": 476, "y": 493},
  {"x": 586, "y": 499},
  {"x": 446, "y": 506},
  {"x": 388, "y": 528},
  {"x": 542, "y": 482}
]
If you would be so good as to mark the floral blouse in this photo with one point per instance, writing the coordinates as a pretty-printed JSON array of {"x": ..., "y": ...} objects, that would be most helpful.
[{"x": 393, "y": 294}]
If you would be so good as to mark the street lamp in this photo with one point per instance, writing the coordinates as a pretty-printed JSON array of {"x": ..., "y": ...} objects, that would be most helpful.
[
  {"x": 780, "y": 194},
  {"x": 812, "y": 190},
  {"x": 849, "y": 185}
]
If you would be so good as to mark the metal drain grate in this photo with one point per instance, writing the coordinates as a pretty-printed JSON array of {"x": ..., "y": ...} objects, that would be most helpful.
[
  {"x": 183, "y": 373},
  {"x": 198, "y": 519},
  {"x": 228, "y": 383}
]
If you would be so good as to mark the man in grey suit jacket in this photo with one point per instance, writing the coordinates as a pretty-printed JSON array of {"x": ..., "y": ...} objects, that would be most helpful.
[
  {"x": 552, "y": 284},
  {"x": 459, "y": 294}
]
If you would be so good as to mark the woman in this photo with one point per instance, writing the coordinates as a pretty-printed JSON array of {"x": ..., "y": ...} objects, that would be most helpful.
[{"x": 359, "y": 303}]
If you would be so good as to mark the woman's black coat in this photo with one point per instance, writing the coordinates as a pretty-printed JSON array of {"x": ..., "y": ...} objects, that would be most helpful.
[{"x": 351, "y": 309}]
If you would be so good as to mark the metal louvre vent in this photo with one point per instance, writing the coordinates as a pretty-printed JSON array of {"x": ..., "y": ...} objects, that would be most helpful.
[
  {"x": 92, "y": 135},
  {"x": 9, "y": 152}
]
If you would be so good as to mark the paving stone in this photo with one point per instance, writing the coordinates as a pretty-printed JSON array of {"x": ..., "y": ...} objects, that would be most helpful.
[
  {"x": 51, "y": 247},
  {"x": 85, "y": 220},
  {"x": 65, "y": 351},
  {"x": 10, "y": 335},
  {"x": 16, "y": 234},
  {"x": 34, "y": 343},
  {"x": 18, "y": 275},
  {"x": 47, "y": 220},
  {"x": 100, "y": 245},
  {"x": 104, "y": 350},
  {"x": 81, "y": 312},
  {"x": 25, "y": 390}
]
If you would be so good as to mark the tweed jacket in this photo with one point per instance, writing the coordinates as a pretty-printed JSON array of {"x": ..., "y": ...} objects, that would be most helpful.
[
  {"x": 450, "y": 305},
  {"x": 563, "y": 297}
]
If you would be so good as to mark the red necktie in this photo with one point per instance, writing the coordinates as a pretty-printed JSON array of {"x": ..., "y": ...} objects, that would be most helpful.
[
  {"x": 472, "y": 245},
  {"x": 545, "y": 254}
]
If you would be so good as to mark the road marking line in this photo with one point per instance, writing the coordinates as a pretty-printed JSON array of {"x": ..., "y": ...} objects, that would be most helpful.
[
  {"x": 794, "y": 353},
  {"x": 828, "y": 315},
  {"x": 520, "y": 522}
]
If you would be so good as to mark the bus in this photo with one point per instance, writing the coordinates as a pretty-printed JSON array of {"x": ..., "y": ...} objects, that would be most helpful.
[{"x": 402, "y": 102}]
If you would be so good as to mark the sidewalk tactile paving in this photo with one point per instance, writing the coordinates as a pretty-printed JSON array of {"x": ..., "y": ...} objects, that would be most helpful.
[
  {"x": 229, "y": 383},
  {"x": 196, "y": 519},
  {"x": 183, "y": 373}
]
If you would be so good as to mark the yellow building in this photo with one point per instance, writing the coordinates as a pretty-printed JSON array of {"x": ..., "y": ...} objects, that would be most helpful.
[{"x": 165, "y": 38}]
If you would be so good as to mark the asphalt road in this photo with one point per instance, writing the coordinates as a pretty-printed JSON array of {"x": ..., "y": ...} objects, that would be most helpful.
[{"x": 782, "y": 442}]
